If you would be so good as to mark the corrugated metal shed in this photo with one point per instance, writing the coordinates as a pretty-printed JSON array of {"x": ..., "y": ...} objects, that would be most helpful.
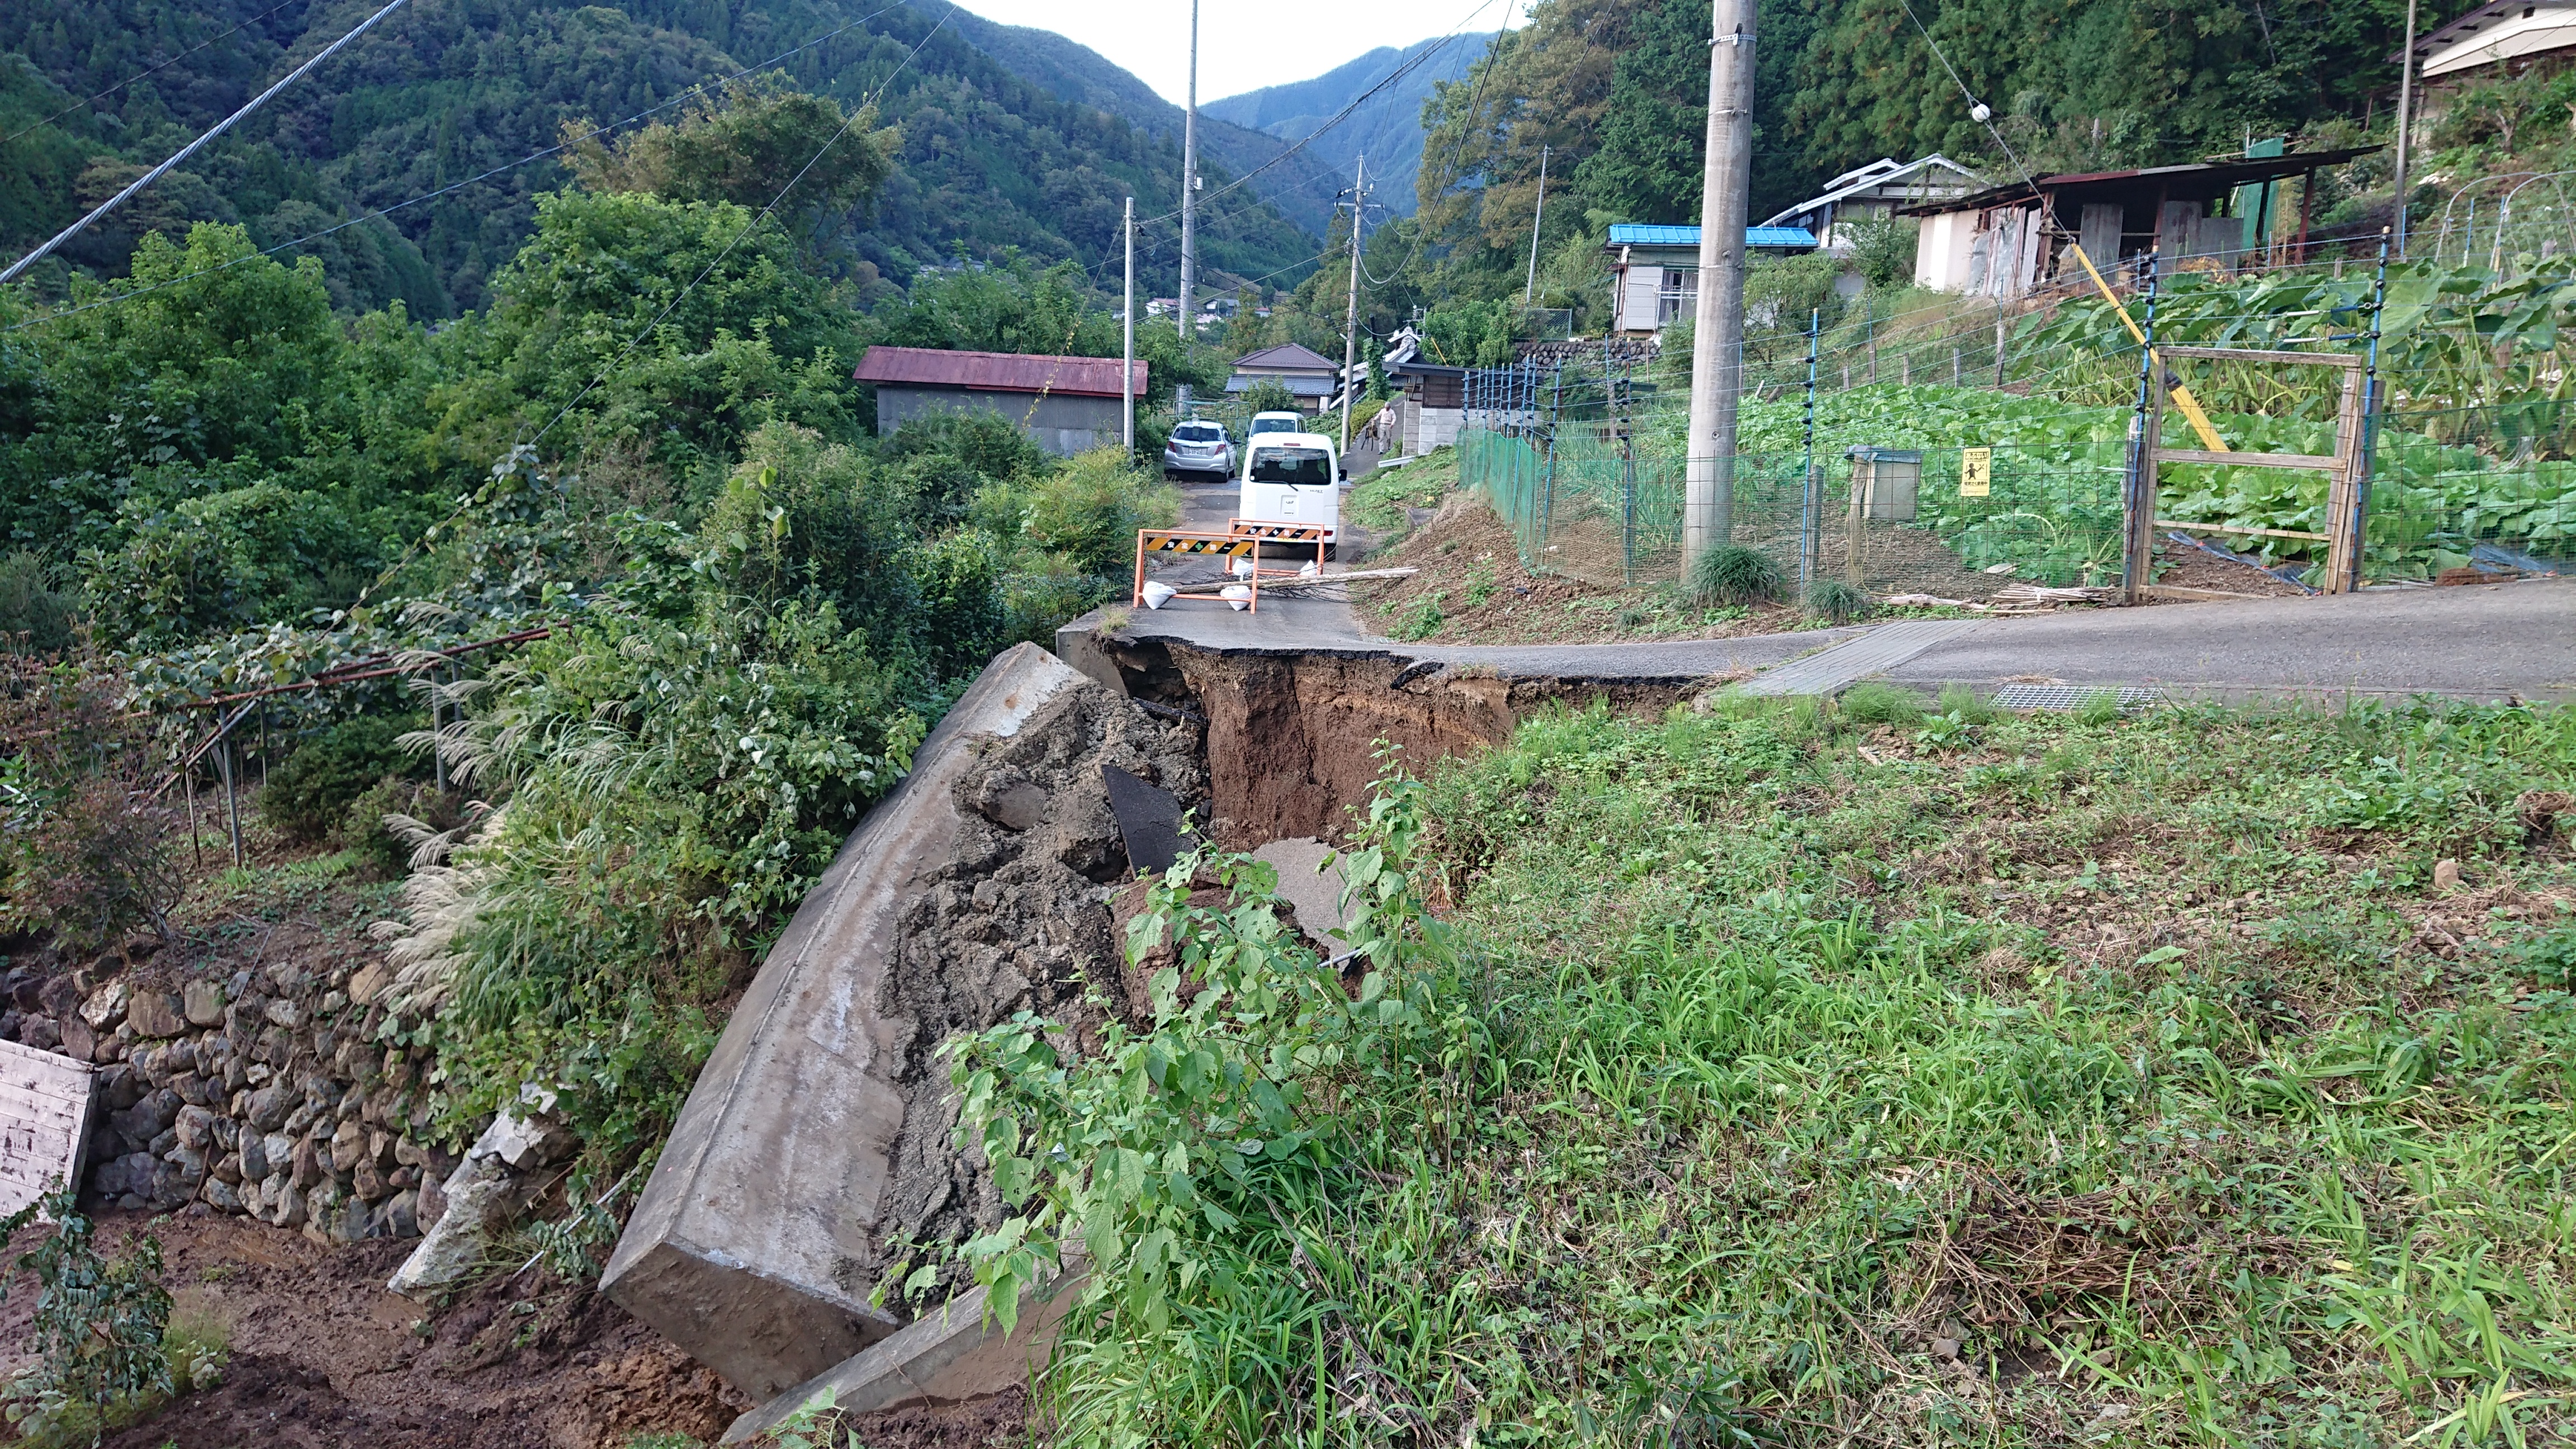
[{"x": 996, "y": 371}]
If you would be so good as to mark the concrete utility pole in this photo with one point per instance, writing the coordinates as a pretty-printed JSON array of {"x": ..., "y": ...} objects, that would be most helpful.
[
  {"x": 1127, "y": 319},
  {"x": 1190, "y": 186},
  {"x": 2405, "y": 121},
  {"x": 1529, "y": 289},
  {"x": 1351, "y": 320},
  {"x": 1717, "y": 341}
]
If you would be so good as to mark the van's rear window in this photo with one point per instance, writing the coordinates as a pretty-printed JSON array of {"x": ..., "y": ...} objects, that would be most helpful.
[{"x": 1305, "y": 467}]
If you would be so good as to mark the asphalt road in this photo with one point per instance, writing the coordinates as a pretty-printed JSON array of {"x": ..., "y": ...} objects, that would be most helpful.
[{"x": 2484, "y": 642}]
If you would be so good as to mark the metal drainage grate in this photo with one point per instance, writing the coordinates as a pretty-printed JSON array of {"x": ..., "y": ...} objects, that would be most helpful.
[{"x": 2070, "y": 697}]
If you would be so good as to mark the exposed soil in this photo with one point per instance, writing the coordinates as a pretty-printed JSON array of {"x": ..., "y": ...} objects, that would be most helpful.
[
  {"x": 323, "y": 1356},
  {"x": 1470, "y": 572},
  {"x": 2189, "y": 568},
  {"x": 1291, "y": 738}
]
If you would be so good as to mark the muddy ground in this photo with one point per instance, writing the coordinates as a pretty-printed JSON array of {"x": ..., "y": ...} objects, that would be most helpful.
[{"x": 323, "y": 1358}]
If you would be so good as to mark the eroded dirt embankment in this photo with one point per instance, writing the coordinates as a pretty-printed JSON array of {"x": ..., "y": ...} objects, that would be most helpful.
[{"x": 1292, "y": 738}]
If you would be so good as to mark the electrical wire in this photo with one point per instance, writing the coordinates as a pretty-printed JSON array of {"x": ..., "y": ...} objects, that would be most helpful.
[
  {"x": 699, "y": 89},
  {"x": 1407, "y": 68}
]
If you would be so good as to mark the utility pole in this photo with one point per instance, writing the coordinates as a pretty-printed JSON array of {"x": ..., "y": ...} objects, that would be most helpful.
[
  {"x": 1127, "y": 319},
  {"x": 1529, "y": 289},
  {"x": 2405, "y": 121},
  {"x": 1351, "y": 320},
  {"x": 1190, "y": 187},
  {"x": 1717, "y": 341}
]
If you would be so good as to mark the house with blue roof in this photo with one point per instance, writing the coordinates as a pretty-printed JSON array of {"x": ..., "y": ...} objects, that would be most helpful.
[{"x": 1656, "y": 269}]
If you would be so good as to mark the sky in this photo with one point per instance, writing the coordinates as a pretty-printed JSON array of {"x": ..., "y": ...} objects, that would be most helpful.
[{"x": 1244, "y": 46}]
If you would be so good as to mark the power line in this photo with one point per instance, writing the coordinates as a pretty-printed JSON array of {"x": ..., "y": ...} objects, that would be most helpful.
[
  {"x": 1391, "y": 77},
  {"x": 184, "y": 152},
  {"x": 697, "y": 90},
  {"x": 145, "y": 74}
]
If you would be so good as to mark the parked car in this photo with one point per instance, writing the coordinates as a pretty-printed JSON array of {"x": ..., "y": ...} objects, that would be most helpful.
[
  {"x": 1277, "y": 423},
  {"x": 1293, "y": 478},
  {"x": 1198, "y": 448}
]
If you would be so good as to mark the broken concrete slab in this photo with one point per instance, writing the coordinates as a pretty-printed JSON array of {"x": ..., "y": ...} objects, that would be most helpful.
[
  {"x": 1306, "y": 885},
  {"x": 945, "y": 1357},
  {"x": 485, "y": 1193},
  {"x": 814, "y": 1151},
  {"x": 1150, "y": 820}
]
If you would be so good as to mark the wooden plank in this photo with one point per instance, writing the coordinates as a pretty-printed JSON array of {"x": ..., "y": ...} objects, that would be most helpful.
[
  {"x": 2223, "y": 528},
  {"x": 2178, "y": 591},
  {"x": 2258, "y": 354},
  {"x": 2316, "y": 462},
  {"x": 44, "y": 1122}
]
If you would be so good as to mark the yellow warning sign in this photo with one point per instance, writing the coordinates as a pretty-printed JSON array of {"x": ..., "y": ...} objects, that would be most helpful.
[{"x": 1976, "y": 471}]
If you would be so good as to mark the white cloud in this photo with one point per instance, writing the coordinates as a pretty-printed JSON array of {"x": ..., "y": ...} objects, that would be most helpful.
[{"x": 1243, "y": 47}]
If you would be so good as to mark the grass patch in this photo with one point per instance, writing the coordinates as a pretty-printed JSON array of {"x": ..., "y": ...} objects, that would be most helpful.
[
  {"x": 1382, "y": 501},
  {"x": 2074, "y": 1081}
]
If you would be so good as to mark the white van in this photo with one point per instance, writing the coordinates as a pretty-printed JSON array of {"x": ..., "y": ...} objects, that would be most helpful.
[{"x": 1293, "y": 478}]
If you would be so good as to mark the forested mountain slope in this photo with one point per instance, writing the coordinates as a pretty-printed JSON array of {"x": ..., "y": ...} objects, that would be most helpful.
[
  {"x": 1386, "y": 128},
  {"x": 448, "y": 90},
  {"x": 1300, "y": 183}
]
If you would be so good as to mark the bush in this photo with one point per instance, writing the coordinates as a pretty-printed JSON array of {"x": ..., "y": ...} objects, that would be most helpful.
[
  {"x": 1735, "y": 575},
  {"x": 1837, "y": 602},
  {"x": 1882, "y": 251},
  {"x": 308, "y": 794},
  {"x": 229, "y": 559},
  {"x": 35, "y": 617},
  {"x": 384, "y": 851},
  {"x": 98, "y": 1322},
  {"x": 84, "y": 840},
  {"x": 1269, "y": 395},
  {"x": 1087, "y": 511}
]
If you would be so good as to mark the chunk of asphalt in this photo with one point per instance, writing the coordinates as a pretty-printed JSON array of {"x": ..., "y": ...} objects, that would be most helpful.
[
  {"x": 754, "y": 1246},
  {"x": 1149, "y": 819}
]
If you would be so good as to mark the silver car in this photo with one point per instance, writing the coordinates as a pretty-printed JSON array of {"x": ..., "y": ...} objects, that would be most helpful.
[{"x": 1198, "y": 448}]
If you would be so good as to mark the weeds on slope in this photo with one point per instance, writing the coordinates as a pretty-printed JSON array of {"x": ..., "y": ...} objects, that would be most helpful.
[{"x": 2200, "y": 1078}]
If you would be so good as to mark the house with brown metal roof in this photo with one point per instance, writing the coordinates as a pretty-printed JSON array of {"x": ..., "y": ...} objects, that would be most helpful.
[
  {"x": 1308, "y": 374},
  {"x": 1066, "y": 405}
]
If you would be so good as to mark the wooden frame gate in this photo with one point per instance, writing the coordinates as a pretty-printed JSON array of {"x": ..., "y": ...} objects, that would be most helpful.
[{"x": 2347, "y": 469}]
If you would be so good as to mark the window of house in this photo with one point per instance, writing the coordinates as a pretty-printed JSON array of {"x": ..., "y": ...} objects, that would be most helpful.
[{"x": 1680, "y": 297}]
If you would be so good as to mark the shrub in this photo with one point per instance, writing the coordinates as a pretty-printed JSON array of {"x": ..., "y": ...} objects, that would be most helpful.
[
  {"x": 1269, "y": 395},
  {"x": 223, "y": 560},
  {"x": 1735, "y": 575},
  {"x": 84, "y": 841},
  {"x": 35, "y": 617},
  {"x": 1836, "y": 602},
  {"x": 308, "y": 794},
  {"x": 98, "y": 1322},
  {"x": 1089, "y": 509}
]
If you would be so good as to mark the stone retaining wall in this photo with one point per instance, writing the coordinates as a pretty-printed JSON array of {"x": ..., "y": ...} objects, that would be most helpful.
[{"x": 267, "y": 1093}]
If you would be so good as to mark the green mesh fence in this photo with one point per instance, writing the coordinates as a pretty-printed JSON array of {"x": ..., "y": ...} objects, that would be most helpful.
[{"x": 1593, "y": 490}]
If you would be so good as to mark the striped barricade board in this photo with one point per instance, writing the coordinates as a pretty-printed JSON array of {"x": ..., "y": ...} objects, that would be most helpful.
[
  {"x": 44, "y": 1122},
  {"x": 1295, "y": 537},
  {"x": 1230, "y": 545}
]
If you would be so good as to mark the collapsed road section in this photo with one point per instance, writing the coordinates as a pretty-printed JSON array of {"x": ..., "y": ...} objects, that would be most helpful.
[{"x": 815, "y": 1153}]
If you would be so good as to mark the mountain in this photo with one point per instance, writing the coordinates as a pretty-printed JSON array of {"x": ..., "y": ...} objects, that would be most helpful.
[
  {"x": 1302, "y": 186},
  {"x": 437, "y": 106},
  {"x": 1386, "y": 128}
]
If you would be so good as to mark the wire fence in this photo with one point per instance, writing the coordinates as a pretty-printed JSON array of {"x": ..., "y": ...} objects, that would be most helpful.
[{"x": 1581, "y": 453}]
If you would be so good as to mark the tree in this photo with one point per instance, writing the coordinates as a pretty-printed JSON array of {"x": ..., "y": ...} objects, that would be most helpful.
[{"x": 763, "y": 144}]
